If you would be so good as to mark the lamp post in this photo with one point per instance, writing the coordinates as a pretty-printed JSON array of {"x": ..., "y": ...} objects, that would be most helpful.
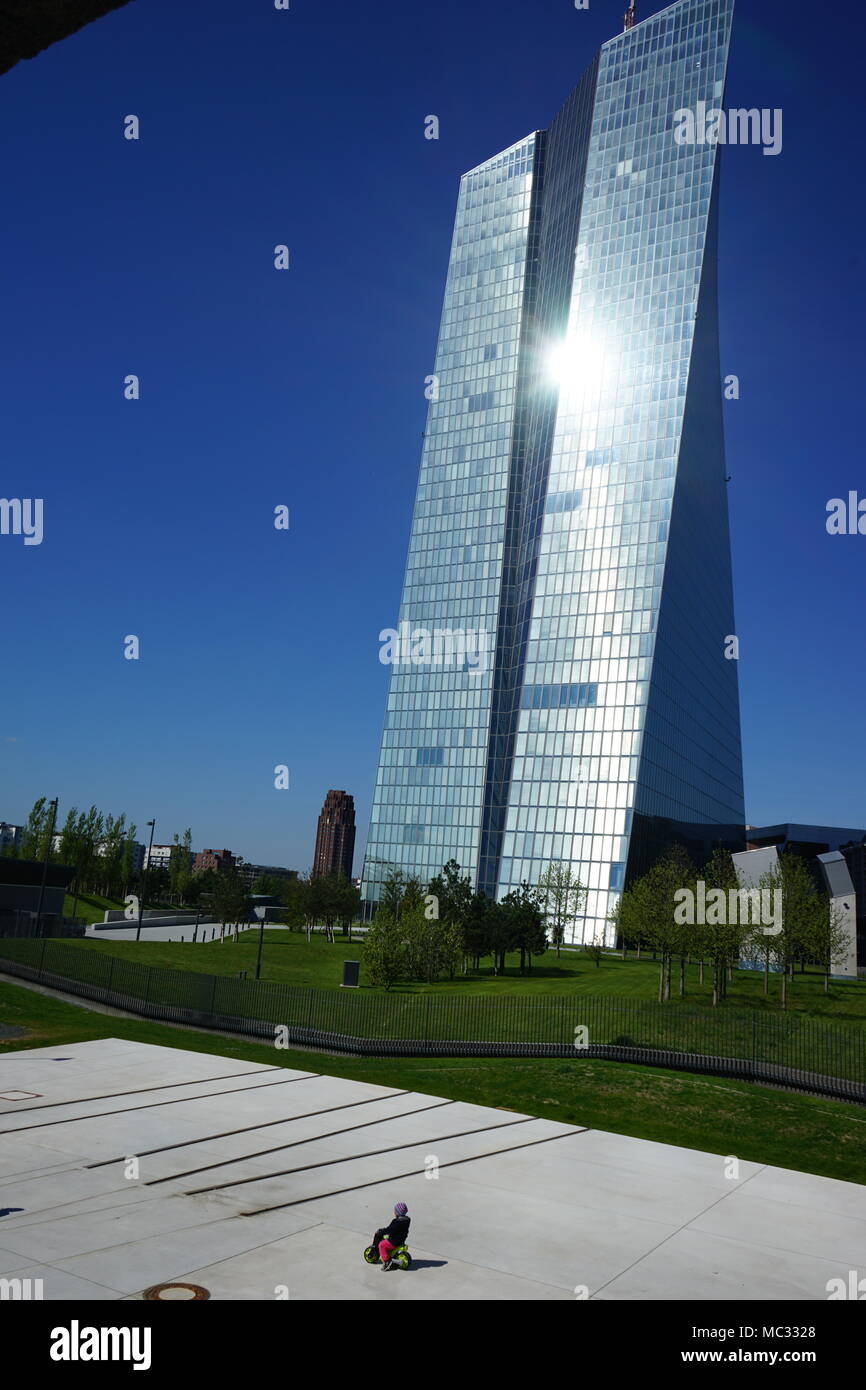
[
  {"x": 49, "y": 843},
  {"x": 152, "y": 824}
]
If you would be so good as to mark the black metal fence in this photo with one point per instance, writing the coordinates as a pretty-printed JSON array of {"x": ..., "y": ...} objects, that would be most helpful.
[{"x": 788, "y": 1050}]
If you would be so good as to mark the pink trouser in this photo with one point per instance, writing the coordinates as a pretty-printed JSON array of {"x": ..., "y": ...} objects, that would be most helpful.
[{"x": 385, "y": 1249}]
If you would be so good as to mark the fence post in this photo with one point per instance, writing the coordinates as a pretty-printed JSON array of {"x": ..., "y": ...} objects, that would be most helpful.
[{"x": 42, "y": 954}]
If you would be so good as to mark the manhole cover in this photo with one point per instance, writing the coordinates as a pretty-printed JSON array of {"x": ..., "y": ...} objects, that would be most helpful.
[
  {"x": 19, "y": 1095},
  {"x": 184, "y": 1292}
]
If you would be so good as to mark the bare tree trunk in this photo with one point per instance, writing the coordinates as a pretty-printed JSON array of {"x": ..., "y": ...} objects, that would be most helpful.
[{"x": 702, "y": 972}]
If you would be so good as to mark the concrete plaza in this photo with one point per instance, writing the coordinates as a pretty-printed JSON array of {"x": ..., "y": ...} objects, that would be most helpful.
[{"x": 257, "y": 1182}]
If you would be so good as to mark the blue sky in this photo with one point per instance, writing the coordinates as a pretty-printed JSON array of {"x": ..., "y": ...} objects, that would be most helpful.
[{"x": 305, "y": 388}]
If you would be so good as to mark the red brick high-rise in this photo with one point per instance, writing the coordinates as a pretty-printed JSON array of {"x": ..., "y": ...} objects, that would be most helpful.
[{"x": 335, "y": 836}]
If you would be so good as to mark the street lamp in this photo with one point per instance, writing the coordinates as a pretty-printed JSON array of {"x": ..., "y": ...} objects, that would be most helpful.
[{"x": 152, "y": 824}]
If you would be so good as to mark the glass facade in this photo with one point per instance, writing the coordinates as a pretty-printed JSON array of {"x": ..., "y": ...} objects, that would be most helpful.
[
  {"x": 428, "y": 808},
  {"x": 572, "y": 500}
]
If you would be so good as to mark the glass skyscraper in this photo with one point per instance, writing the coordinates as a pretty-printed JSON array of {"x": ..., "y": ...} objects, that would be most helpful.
[{"x": 572, "y": 502}]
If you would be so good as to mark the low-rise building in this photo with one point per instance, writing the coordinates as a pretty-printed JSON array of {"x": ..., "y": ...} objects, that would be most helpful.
[
  {"x": 157, "y": 857},
  {"x": 821, "y": 845},
  {"x": 250, "y": 873},
  {"x": 219, "y": 860},
  {"x": 10, "y": 835}
]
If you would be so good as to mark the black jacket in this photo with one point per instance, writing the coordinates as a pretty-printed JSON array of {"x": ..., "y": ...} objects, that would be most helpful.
[{"x": 398, "y": 1231}]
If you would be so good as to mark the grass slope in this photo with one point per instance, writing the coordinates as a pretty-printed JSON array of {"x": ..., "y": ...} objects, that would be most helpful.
[
  {"x": 290, "y": 958},
  {"x": 712, "y": 1114}
]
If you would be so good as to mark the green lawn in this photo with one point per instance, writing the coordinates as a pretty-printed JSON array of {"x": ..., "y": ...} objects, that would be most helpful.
[
  {"x": 290, "y": 958},
  {"x": 716, "y": 1115},
  {"x": 90, "y": 907}
]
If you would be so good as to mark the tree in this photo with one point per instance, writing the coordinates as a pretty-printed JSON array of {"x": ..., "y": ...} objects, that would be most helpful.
[
  {"x": 501, "y": 926},
  {"x": 452, "y": 890},
  {"x": 523, "y": 926},
  {"x": 269, "y": 885},
  {"x": 313, "y": 901},
  {"x": 451, "y": 948},
  {"x": 348, "y": 903},
  {"x": 595, "y": 949},
  {"x": 393, "y": 888},
  {"x": 92, "y": 832},
  {"x": 201, "y": 887},
  {"x": 293, "y": 896},
  {"x": 34, "y": 836},
  {"x": 180, "y": 866},
  {"x": 421, "y": 940},
  {"x": 70, "y": 851},
  {"x": 619, "y": 917},
  {"x": 479, "y": 927},
  {"x": 647, "y": 908},
  {"x": 433, "y": 947},
  {"x": 229, "y": 900},
  {"x": 126, "y": 861},
  {"x": 720, "y": 939},
  {"x": 828, "y": 935},
  {"x": 109, "y": 854},
  {"x": 82, "y": 835},
  {"x": 385, "y": 948},
  {"x": 336, "y": 900},
  {"x": 454, "y": 906},
  {"x": 563, "y": 896},
  {"x": 805, "y": 921}
]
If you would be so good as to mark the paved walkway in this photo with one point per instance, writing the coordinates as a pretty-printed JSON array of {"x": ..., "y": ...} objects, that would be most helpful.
[
  {"x": 256, "y": 1182},
  {"x": 204, "y": 932}
]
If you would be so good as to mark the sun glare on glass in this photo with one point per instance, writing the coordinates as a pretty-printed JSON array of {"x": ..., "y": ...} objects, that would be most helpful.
[{"x": 577, "y": 365}]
